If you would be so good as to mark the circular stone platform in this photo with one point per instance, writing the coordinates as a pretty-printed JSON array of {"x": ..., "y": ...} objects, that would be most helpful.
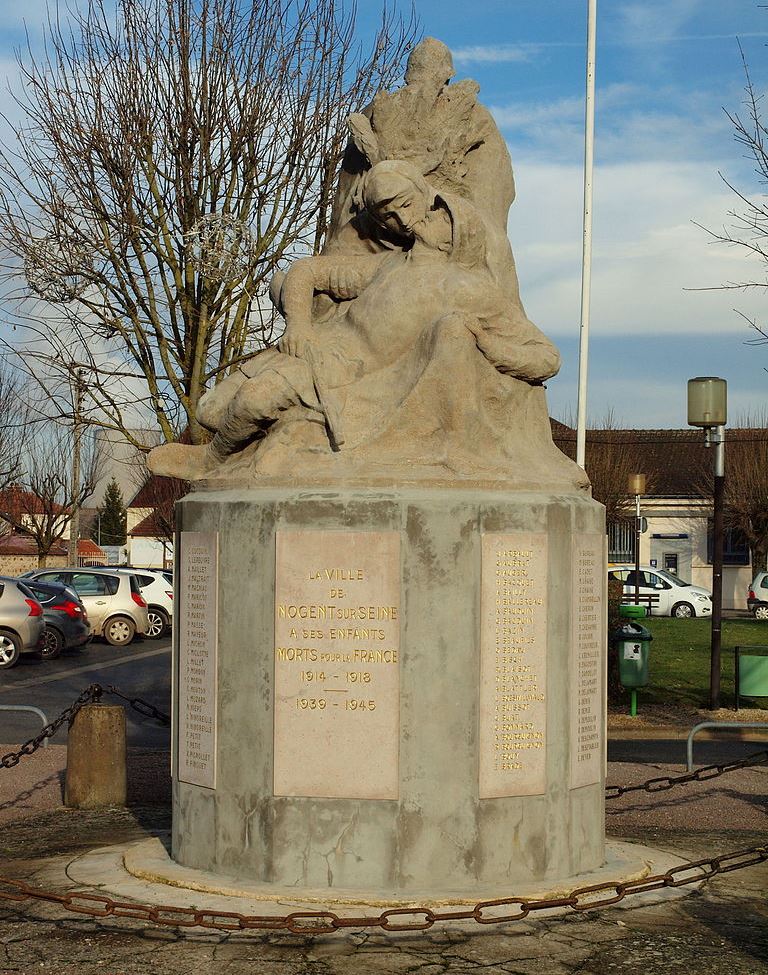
[{"x": 144, "y": 872}]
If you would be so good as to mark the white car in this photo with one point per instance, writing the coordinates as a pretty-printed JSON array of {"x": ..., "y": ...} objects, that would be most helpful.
[
  {"x": 157, "y": 590},
  {"x": 113, "y": 600},
  {"x": 662, "y": 592}
]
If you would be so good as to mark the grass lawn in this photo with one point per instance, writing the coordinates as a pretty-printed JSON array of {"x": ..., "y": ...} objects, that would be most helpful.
[{"x": 679, "y": 660}]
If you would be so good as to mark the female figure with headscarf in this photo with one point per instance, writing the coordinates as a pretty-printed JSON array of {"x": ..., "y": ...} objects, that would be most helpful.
[{"x": 393, "y": 314}]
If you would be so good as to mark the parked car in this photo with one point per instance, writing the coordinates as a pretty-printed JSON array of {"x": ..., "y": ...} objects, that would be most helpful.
[
  {"x": 116, "y": 609},
  {"x": 21, "y": 621},
  {"x": 157, "y": 590},
  {"x": 65, "y": 617},
  {"x": 757, "y": 597},
  {"x": 663, "y": 592}
]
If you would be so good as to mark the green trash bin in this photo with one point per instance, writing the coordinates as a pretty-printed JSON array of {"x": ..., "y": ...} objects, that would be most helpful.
[
  {"x": 628, "y": 611},
  {"x": 633, "y": 643}
]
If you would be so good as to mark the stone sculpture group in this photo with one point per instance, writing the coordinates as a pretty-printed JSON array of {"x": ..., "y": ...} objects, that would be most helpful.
[{"x": 406, "y": 354}]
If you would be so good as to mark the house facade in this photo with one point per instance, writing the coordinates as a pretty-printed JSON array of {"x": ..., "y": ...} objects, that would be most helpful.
[{"x": 677, "y": 505}]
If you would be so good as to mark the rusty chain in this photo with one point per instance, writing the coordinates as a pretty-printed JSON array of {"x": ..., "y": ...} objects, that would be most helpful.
[
  {"x": 664, "y": 782},
  {"x": 589, "y": 898},
  {"x": 143, "y": 707},
  {"x": 95, "y": 691},
  {"x": 92, "y": 693},
  {"x": 592, "y": 897}
]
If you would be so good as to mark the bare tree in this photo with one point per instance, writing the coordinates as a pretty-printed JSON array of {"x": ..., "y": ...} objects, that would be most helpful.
[
  {"x": 748, "y": 231},
  {"x": 169, "y": 159},
  {"x": 746, "y": 483},
  {"x": 15, "y": 424},
  {"x": 609, "y": 460},
  {"x": 159, "y": 495},
  {"x": 42, "y": 501}
]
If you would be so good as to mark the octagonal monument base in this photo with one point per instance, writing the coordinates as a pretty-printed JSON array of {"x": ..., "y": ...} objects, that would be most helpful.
[{"x": 390, "y": 689}]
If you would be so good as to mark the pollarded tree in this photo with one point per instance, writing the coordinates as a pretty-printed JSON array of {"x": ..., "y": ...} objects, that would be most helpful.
[
  {"x": 171, "y": 154},
  {"x": 44, "y": 500},
  {"x": 110, "y": 525}
]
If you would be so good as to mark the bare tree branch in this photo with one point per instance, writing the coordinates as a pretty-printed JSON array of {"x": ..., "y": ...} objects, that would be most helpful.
[
  {"x": 42, "y": 501},
  {"x": 140, "y": 132}
]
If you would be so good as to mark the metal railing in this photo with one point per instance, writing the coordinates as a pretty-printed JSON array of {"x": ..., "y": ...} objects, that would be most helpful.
[{"x": 27, "y": 707}]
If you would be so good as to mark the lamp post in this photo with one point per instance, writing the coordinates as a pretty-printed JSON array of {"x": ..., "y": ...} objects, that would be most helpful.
[
  {"x": 708, "y": 408},
  {"x": 637, "y": 487}
]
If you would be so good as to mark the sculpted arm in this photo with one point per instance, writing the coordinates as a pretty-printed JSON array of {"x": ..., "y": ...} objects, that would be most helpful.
[
  {"x": 342, "y": 278},
  {"x": 511, "y": 342}
]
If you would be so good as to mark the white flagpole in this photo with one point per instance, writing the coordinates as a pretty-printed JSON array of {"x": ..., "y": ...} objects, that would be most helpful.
[{"x": 586, "y": 265}]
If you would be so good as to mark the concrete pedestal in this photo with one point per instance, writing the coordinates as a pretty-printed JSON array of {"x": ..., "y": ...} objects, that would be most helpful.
[{"x": 455, "y": 742}]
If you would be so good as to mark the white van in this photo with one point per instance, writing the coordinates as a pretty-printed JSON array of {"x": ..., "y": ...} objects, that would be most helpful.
[{"x": 663, "y": 592}]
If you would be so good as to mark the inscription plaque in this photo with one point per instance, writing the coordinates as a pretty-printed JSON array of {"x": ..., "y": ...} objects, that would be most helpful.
[
  {"x": 588, "y": 577},
  {"x": 337, "y": 643},
  {"x": 513, "y": 665},
  {"x": 198, "y": 643}
]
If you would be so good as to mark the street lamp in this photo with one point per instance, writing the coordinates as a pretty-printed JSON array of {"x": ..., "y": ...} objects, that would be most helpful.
[
  {"x": 637, "y": 487},
  {"x": 708, "y": 408}
]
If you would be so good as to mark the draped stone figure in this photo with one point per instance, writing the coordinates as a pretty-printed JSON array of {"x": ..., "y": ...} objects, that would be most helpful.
[{"x": 407, "y": 354}]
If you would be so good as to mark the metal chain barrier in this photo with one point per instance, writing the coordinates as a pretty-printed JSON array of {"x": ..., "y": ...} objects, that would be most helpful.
[
  {"x": 143, "y": 707},
  {"x": 499, "y": 911},
  {"x": 664, "y": 782},
  {"x": 92, "y": 694},
  {"x": 320, "y": 922}
]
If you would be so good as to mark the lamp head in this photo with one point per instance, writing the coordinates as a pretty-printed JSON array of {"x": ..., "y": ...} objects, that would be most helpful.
[{"x": 707, "y": 402}]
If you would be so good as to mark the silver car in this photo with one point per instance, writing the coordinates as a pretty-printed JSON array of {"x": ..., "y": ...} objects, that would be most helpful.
[
  {"x": 21, "y": 621},
  {"x": 116, "y": 609}
]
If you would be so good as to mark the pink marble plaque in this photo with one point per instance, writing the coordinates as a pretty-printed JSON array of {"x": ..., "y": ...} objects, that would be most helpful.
[
  {"x": 587, "y": 678},
  {"x": 198, "y": 644},
  {"x": 337, "y": 643},
  {"x": 513, "y": 665}
]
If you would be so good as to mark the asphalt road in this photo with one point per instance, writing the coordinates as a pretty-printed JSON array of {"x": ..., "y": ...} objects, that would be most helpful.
[
  {"x": 664, "y": 751},
  {"x": 142, "y": 669}
]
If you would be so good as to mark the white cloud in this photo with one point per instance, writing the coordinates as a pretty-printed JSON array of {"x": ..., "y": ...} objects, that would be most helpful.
[
  {"x": 646, "y": 250},
  {"x": 496, "y": 53},
  {"x": 659, "y": 20}
]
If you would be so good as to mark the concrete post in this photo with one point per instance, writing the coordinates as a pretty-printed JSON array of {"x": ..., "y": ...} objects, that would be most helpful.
[{"x": 96, "y": 774}]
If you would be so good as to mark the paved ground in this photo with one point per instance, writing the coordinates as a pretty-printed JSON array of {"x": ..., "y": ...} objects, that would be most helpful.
[{"x": 720, "y": 930}]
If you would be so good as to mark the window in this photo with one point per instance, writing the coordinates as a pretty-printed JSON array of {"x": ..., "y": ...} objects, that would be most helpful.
[
  {"x": 735, "y": 546},
  {"x": 60, "y": 577},
  {"x": 619, "y": 574},
  {"x": 90, "y": 584},
  {"x": 656, "y": 582},
  {"x": 621, "y": 542},
  {"x": 42, "y": 595}
]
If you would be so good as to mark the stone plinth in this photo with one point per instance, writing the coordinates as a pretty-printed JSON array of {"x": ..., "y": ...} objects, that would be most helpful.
[{"x": 399, "y": 690}]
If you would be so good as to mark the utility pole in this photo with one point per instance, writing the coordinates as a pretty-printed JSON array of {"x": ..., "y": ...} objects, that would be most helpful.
[
  {"x": 586, "y": 257},
  {"x": 74, "y": 524}
]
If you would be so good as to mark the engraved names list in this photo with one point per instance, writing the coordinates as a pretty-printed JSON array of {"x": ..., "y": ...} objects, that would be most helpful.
[
  {"x": 337, "y": 685},
  {"x": 513, "y": 665},
  {"x": 198, "y": 627},
  {"x": 588, "y": 576}
]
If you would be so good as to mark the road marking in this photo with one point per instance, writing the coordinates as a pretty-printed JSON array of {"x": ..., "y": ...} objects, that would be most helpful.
[{"x": 34, "y": 681}]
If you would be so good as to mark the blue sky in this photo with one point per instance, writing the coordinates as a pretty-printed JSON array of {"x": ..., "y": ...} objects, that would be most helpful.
[{"x": 666, "y": 70}]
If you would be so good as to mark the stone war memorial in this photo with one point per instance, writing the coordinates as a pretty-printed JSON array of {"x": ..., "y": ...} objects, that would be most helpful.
[{"x": 389, "y": 649}]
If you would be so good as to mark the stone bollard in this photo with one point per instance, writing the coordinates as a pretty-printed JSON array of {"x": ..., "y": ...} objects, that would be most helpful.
[{"x": 96, "y": 773}]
